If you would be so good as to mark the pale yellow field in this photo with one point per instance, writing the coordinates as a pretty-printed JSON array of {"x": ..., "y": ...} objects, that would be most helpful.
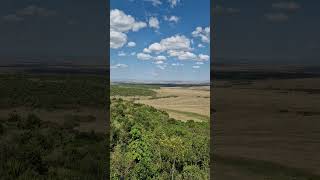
[{"x": 183, "y": 103}]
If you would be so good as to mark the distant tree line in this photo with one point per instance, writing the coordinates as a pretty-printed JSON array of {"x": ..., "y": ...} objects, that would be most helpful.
[{"x": 54, "y": 91}]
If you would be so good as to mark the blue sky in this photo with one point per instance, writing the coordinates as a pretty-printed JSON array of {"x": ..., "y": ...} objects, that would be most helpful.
[{"x": 160, "y": 40}]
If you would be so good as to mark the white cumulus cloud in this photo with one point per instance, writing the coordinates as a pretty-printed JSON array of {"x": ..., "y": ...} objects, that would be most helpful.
[
  {"x": 121, "y": 53},
  {"x": 172, "y": 18},
  {"x": 177, "y": 46},
  {"x": 203, "y": 33},
  {"x": 154, "y": 23},
  {"x": 173, "y": 3},
  {"x": 204, "y": 57},
  {"x": 176, "y": 42},
  {"x": 201, "y": 45},
  {"x": 177, "y": 64},
  {"x": 160, "y": 58},
  {"x": 159, "y": 62},
  {"x": 146, "y": 50},
  {"x": 117, "y": 39},
  {"x": 143, "y": 56},
  {"x": 182, "y": 55},
  {"x": 154, "y": 2},
  {"x": 119, "y": 66},
  {"x": 131, "y": 44},
  {"x": 120, "y": 24},
  {"x": 162, "y": 66}
]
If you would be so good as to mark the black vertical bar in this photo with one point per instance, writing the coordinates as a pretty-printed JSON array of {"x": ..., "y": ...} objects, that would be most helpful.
[
  {"x": 107, "y": 57},
  {"x": 212, "y": 55}
]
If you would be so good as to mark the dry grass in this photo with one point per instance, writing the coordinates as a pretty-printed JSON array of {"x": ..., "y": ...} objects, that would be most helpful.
[
  {"x": 182, "y": 103},
  {"x": 186, "y": 100},
  {"x": 280, "y": 126}
]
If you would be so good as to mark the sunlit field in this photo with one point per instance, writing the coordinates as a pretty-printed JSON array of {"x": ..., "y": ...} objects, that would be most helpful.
[{"x": 161, "y": 133}]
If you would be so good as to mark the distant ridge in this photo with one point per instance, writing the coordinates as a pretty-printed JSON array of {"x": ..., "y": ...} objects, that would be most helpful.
[{"x": 160, "y": 82}]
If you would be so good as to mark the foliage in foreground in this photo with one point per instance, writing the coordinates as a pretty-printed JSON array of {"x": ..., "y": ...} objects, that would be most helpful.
[
  {"x": 34, "y": 149},
  {"x": 147, "y": 144}
]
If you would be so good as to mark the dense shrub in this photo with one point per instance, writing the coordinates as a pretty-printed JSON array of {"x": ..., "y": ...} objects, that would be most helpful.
[
  {"x": 35, "y": 149},
  {"x": 14, "y": 117},
  {"x": 31, "y": 122},
  {"x": 147, "y": 144}
]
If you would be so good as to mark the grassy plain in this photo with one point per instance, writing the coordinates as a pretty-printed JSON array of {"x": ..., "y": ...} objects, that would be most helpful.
[
  {"x": 181, "y": 103},
  {"x": 267, "y": 129}
]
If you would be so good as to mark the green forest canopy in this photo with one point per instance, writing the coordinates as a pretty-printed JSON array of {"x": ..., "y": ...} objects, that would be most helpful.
[{"x": 147, "y": 144}]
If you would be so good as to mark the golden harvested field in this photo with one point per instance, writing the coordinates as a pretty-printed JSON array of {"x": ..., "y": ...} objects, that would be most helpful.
[{"x": 182, "y": 103}]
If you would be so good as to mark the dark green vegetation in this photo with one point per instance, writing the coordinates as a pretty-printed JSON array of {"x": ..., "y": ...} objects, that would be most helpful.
[
  {"x": 147, "y": 144},
  {"x": 160, "y": 97},
  {"x": 144, "y": 86},
  {"x": 191, "y": 115},
  {"x": 52, "y": 91},
  {"x": 48, "y": 143},
  {"x": 131, "y": 90},
  {"x": 31, "y": 148},
  {"x": 253, "y": 167}
]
